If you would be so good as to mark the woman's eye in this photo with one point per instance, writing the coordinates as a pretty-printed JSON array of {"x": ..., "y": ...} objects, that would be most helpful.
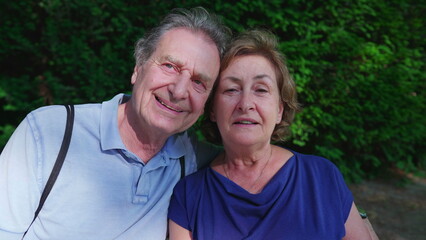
[{"x": 230, "y": 90}]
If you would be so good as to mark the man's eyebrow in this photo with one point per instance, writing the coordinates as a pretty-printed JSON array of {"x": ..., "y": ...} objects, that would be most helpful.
[
  {"x": 203, "y": 77},
  {"x": 172, "y": 59}
]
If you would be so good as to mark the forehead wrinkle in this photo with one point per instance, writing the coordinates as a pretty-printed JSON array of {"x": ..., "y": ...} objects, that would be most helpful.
[{"x": 201, "y": 76}]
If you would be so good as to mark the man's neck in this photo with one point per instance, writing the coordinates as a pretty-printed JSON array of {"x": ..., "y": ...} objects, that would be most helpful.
[{"x": 138, "y": 138}]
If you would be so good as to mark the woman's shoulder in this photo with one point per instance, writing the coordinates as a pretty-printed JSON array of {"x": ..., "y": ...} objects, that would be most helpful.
[
  {"x": 198, "y": 175},
  {"x": 194, "y": 179},
  {"x": 192, "y": 185},
  {"x": 312, "y": 161}
]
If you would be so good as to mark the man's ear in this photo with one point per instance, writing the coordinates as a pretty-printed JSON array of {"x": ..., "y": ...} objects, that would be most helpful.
[{"x": 135, "y": 74}]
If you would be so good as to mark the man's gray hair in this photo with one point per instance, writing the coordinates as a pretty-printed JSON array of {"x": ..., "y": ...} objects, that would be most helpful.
[{"x": 196, "y": 19}]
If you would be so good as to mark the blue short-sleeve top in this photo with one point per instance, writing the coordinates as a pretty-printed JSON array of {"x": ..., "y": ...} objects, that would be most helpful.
[{"x": 306, "y": 199}]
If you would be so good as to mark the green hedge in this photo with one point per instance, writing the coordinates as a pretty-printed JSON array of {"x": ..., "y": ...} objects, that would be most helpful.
[{"x": 359, "y": 66}]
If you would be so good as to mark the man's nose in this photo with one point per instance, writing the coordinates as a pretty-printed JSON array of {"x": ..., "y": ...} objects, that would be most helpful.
[{"x": 179, "y": 89}]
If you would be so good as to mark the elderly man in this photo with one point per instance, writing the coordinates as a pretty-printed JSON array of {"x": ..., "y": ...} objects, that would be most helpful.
[{"x": 126, "y": 154}]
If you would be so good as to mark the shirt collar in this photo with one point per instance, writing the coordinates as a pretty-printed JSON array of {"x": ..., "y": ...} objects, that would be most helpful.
[
  {"x": 110, "y": 136},
  {"x": 175, "y": 146}
]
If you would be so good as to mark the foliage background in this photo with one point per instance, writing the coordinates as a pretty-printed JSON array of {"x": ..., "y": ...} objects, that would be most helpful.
[{"x": 359, "y": 66}]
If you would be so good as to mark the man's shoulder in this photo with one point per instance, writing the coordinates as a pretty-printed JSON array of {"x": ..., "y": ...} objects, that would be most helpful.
[
  {"x": 54, "y": 110},
  {"x": 54, "y": 113},
  {"x": 48, "y": 110},
  {"x": 47, "y": 117},
  {"x": 194, "y": 142}
]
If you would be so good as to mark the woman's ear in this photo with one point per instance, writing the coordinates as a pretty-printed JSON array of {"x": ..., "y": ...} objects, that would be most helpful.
[
  {"x": 280, "y": 112},
  {"x": 212, "y": 116}
]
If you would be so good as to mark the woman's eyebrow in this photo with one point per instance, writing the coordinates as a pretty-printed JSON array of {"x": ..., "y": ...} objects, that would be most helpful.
[
  {"x": 257, "y": 77},
  {"x": 262, "y": 76},
  {"x": 233, "y": 79}
]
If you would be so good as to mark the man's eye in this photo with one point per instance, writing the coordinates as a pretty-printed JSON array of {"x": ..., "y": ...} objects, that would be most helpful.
[
  {"x": 199, "y": 85},
  {"x": 168, "y": 65}
]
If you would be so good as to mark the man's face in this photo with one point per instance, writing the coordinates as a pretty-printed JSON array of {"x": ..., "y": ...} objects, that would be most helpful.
[{"x": 171, "y": 88}]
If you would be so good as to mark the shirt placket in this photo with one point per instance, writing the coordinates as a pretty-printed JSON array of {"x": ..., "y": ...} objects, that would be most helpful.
[{"x": 143, "y": 174}]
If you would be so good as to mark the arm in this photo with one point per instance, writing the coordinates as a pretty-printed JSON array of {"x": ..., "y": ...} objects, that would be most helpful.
[
  {"x": 18, "y": 183},
  {"x": 178, "y": 213},
  {"x": 373, "y": 234},
  {"x": 177, "y": 232},
  {"x": 355, "y": 227}
]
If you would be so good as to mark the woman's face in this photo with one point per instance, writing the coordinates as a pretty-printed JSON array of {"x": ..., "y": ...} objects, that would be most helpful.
[{"x": 246, "y": 103}]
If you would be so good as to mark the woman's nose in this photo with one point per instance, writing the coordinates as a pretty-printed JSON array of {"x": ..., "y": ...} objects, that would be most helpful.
[{"x": 246, "y": 102}]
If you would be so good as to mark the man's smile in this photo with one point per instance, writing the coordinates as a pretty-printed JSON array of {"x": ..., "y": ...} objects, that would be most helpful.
[{"x": 167, "y": 106}]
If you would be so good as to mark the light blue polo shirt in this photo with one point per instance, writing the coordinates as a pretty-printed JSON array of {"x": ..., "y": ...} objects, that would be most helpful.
[{"x": 103, "y": 191}]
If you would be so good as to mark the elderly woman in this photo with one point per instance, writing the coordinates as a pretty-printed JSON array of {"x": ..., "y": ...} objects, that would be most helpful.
[{"x": 254, "y": 189}]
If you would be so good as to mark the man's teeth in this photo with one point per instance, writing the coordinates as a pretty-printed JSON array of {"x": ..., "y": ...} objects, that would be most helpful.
[{"x": 167, "y": 106}]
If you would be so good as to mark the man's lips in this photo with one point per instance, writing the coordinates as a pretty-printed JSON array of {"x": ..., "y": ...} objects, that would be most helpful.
[{"x": 167, "y": 106}]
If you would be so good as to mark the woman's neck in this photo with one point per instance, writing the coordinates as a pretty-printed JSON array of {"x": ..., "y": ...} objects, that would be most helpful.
[{"x": 251, "y": 171}]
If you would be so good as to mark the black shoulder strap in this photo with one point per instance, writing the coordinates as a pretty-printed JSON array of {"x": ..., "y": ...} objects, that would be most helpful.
[
  {"x": 182, "y": 167},
  {"x": 59, "y": 161}
]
